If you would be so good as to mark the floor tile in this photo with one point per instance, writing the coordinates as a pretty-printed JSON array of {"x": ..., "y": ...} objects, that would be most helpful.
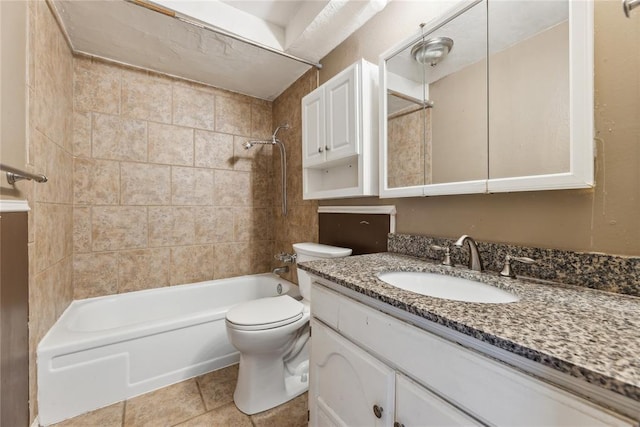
[
  {"x": 110, "y": 416},
  {"x": 225, "y": 416},
  {"x": 290, "y": 414},
  {"x": 165, "y": 407},
  {"x": 217, "y": 387}
]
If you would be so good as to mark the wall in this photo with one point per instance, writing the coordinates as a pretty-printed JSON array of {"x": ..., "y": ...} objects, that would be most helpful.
[
  {"x": 164, "y": 194},
  {"x": 301, "y": 222},
  {"x": 603, "y": 219},
  {"x": 13, "y": 62},
  {"x": 49, "y": 149}
]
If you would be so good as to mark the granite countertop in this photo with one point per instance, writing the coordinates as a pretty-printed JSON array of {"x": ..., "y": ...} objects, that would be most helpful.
[{"x": 588, "y": 334}]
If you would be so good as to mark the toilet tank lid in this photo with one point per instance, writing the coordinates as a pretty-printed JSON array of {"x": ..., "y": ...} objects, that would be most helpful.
[{"x": 321, "y": 251}]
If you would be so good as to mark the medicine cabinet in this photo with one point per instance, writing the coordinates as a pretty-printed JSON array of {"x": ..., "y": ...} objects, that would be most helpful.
[
  {"x": 494, "y": 96},
  {"x": 340, "y": 135}
]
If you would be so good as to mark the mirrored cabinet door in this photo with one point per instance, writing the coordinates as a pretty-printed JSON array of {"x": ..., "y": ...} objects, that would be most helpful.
[
  {"x": 493, "y": 96},
  {"x": 436, "y": 99},
  {"x": 540, "y": 95}
]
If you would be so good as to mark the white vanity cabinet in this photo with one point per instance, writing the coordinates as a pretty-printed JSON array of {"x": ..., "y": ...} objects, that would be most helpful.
[
  {"x": 357, "y": 351},
  {"x": 365, "y": 383},
  {"x": 340, "y": 135}
]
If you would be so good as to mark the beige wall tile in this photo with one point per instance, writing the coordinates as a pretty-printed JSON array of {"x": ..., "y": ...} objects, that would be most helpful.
[
  {"x": 265, "y": 189},
  {"x": 96, "y": 86},
  {"x": 252, "y": 224},
  {"x": 143, "y": 269},
  {"x": 146, "y": 96},
  {"x": 56, "y": 163},
  {"x": 261, "y": 119},
  {"x": 95, "y": 274},
  {"x": 192, "y": 108},
  {"x": 171, "y": 226},
  {"x": 54, "y": 234},
  {"x": 233, "y": 116},
  {"x": 96, "y": 182},
  {"x": 118, "y": 227},
  {"x": 257, "y": 158},
  {"x": 213, "y": 224},
  {"x": 191, "y": 264},
  {"x": 81, "y": 229},
  {"x": 232, "y": 188},
  {"x": 111, "y": 416},
  {"x": 145, "y": 184},
  {"x": 169, "y": 144},
  {"x": 53, "y": 101},
  {"x": 82, "y": 134},
  {"x": 118, "y": 138},
  {"x": 191, "y": 186},
  {"x": 214, "y": 150},
  {"x": 231, "y": 259}
]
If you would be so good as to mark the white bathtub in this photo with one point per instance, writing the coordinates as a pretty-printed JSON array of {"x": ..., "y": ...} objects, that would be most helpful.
[{"x": 107, "y": 349}]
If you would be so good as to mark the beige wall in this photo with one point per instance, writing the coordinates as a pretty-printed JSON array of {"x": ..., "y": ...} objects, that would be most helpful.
[
  {"x": 50, "y": 100},
  {"x": 164, "y": 194},
  {"x": 301, "y": 222},
  {"x": 604, "y": 219},
  {"x": 13, "y": 85}
]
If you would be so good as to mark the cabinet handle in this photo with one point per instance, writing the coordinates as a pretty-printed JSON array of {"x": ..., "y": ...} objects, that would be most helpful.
[
  {"x": 397, "y": 424},
  {"x": 320, "y": 150},
  {"x": 326, "y": 147},
  {"x": 377, "y": 411}
]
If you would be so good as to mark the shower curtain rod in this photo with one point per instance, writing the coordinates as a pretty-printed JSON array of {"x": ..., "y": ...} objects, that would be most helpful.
[{"x": 183, "y": 18}]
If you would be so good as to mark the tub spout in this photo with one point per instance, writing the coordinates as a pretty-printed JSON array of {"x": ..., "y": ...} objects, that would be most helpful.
[{"x": 281, "y": 270}]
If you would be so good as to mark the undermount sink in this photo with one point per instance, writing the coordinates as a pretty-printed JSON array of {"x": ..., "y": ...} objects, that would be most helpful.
[{"x": 447, "y": 287}]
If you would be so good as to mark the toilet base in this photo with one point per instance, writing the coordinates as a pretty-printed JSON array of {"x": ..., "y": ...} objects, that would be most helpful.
[{"x": 271, "y": 385}]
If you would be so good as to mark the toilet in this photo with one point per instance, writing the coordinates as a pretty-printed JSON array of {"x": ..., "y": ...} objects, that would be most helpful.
[{"x": 272, "y": 336}]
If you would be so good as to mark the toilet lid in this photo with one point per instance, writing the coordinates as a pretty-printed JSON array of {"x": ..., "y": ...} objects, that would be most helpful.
[{"x": 265, "y": 313}]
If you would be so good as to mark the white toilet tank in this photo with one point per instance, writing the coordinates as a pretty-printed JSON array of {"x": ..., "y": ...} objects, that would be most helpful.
[{"x": 310, "y": 252}]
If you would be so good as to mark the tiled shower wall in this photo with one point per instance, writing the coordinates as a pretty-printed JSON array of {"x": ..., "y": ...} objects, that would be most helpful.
[
  {"x": 163, "y": 192},
  {"x": 301, "y": 222},
  {"x": 50, "y": 99}
]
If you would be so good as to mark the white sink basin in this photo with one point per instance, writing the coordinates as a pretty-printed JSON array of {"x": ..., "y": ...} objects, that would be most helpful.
[{"x": 447, "y": 287}]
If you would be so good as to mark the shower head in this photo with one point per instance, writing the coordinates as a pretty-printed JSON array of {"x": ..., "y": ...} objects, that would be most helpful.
[{"x": 247, "y": 145}]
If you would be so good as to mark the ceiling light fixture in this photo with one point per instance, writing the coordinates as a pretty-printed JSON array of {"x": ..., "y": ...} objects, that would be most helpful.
[{"x": 432, "y": 51}]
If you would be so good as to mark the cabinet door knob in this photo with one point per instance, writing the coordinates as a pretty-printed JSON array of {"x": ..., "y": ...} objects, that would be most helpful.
[
  {"x": 377, "y": 411},
  {"x": 397, "y": 424},
  {"x": 326, "y": 147},
  {"x": 320, "y": 150}
]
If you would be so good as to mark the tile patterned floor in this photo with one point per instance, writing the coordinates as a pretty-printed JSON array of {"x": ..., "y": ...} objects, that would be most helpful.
[{"x": 204, "y": 401}]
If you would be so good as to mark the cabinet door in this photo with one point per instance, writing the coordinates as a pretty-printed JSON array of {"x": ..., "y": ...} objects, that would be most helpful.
[
  {"x": 417, "y": 406},
  {"x": 313, "y": 128},
  {"x": 342, "y": 112},
  {"x": 346, "y": 382}
]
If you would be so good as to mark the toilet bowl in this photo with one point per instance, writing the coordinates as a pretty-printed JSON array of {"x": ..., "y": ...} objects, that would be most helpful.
[{"x": 272, "y": 336}]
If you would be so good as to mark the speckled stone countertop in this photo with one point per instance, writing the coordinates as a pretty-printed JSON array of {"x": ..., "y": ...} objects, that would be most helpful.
[{"x": 588, "y": 334}]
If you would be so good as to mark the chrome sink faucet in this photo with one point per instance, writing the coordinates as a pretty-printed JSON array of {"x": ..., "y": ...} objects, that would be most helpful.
[{"x": 475, "y": 262}]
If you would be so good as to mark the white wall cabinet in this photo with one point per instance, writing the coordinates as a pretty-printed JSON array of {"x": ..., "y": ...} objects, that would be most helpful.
[
  {"x": 437, "y": 382},
  {"x": 340, "y": 135}
]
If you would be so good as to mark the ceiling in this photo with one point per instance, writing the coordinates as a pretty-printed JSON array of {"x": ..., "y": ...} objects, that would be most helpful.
[{"x": 176, "y": 37}]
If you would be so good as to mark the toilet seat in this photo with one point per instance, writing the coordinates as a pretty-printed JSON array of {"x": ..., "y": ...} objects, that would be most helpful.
[{"x": 265, "y": 313}]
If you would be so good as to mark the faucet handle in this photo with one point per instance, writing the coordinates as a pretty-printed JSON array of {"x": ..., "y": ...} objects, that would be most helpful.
[
  {"x": 507, "y": 270},
  {"x": 447, "y": 254}
]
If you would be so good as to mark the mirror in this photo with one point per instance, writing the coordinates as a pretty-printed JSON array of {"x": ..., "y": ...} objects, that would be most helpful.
[{"x": 507, "y": 107}]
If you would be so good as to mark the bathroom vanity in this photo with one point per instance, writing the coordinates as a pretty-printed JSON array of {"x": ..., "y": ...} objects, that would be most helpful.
[{"x": 385, "y": 356}]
